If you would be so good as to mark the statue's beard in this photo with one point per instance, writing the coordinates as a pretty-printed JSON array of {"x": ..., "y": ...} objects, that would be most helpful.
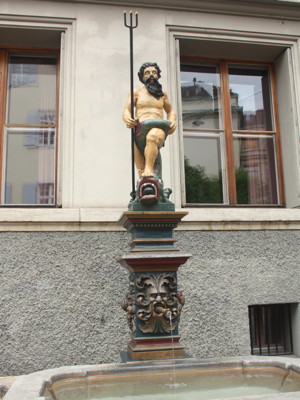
[{"x": 154, "y": 87}]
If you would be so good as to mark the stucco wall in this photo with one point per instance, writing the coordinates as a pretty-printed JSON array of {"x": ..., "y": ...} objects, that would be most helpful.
[
  {"x": 95, "y": 81},
  {"x": 60, "y": 293}
]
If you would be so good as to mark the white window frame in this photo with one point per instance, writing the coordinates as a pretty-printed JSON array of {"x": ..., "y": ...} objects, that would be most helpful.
[
  {"x": 66, "y": 112},
  {"x": 174, "y": 34}
]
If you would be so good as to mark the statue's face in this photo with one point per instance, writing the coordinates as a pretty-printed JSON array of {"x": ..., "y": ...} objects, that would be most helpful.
[{"x": 150, "y": 71}]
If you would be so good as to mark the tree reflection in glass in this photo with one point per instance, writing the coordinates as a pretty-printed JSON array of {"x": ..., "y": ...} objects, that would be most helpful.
[{"x": 203, "y": 177}]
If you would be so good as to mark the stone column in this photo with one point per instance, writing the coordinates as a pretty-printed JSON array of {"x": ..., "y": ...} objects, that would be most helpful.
[{"x": 153, "y": 304}]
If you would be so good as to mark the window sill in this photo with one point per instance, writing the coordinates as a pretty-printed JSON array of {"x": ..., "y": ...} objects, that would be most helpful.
[
  {"x": 103, "y": 219},
  {"x": 241, "y": 219}
]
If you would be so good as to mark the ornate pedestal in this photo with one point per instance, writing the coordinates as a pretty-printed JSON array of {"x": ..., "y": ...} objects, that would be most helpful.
[{"x": 153, "y": 304}]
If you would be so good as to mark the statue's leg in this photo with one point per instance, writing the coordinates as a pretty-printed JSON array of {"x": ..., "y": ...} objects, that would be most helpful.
[
  {"x": 154, "y": 141},
  {"x": 139, "y": 160},
  {"x": 157, "y": 166}
]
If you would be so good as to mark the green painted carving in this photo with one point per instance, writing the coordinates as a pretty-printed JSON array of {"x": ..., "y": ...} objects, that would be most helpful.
[{"x": 151, "y": 196}]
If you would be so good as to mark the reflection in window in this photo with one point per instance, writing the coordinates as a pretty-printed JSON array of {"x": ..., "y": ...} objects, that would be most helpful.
[
  {"x": 46, "y": 193},
  {"x": 250, "y": 99},
  {"x": 203, "y": 177},
  {"x": 229, "y": 136},
  {"x": 255, "y": 170},
  {"x": 27, "y": 164},
  {"x": 31, "y": 91},
  {"x": 22, "y": 75},
  {"x": 30, "y": 131},
  {"x": 46, "y": 137},
  {"x": 200, "y": 91}
]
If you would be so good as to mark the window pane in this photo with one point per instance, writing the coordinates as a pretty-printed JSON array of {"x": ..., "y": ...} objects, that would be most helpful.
[
  {"x": 31, "y": 90},
  {"x": 30, "y": 166},
  {"x": 203, "y": 172},
  {"x": 201, "y": 101},
  {"x": 255, "y": 170},
  {"x": 250, "y": 99}
]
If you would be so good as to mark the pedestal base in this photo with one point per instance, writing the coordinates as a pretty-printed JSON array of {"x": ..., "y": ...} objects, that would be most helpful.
[
  {"x": 155, "y": 349},
  {"x": 153, "y": 303},
  {"x": 160, "y": 207},
  {"x": 155, "y": 355}
]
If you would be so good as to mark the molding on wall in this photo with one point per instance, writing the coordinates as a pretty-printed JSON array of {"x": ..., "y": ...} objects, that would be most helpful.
[
  {"x": 260, "y": 8},
  {"x": 101, "y": 219}
]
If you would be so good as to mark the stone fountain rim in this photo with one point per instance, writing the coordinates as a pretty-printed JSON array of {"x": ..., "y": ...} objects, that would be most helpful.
[{"x": 32, "y": 386}]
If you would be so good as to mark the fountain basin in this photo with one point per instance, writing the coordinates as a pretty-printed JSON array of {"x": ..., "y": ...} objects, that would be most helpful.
[{"x": 234, "y": 378}]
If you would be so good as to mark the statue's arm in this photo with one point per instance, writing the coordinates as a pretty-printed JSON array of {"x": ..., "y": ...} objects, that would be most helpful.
[
  {"x": 130, "y": 122},
  {"x": 171, "y": 115}
]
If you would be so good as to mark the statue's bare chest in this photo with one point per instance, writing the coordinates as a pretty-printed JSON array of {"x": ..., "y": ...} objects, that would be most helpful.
[{"x": 148, "y": 101}]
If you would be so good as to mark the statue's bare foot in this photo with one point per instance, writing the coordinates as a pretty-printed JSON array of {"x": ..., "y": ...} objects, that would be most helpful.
[
  {"x": 140, "y": 172},
  {"x": 147, "y": 173}
]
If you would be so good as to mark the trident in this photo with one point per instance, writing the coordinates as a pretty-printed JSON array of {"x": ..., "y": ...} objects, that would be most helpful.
[{"x": 131, "y": 27}]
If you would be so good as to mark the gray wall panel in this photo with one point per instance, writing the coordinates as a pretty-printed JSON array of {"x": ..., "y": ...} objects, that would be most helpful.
[{"x": 60, "y": 293}]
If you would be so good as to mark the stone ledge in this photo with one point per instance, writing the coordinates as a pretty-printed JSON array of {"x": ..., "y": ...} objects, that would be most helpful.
[
  {"x": 108, "y": 219},
  {"x": 241, "y": 219},
  {"x": 30, "y": 387},
  {"x": 5, "y": 384}
]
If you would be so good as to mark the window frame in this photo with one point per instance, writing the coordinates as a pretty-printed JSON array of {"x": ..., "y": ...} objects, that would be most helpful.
[
  {"x": 5, "y": 53},
  {"x": 267, "y": 321},
  {"x": 229, "y": 132}
]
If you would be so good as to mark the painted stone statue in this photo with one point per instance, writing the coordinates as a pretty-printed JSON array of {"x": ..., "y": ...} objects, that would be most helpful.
[{"x": 151, "y": 131}]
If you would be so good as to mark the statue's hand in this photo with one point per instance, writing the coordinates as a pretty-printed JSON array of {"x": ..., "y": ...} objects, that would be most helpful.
[
  {"x": 173, "y": 126},
  {"x": 130, "y": 122}
]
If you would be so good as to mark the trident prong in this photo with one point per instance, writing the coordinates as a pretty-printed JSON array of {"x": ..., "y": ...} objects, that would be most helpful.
[
  {"x": 130, "y": 19},
  {"x": 131, "y": 27}
]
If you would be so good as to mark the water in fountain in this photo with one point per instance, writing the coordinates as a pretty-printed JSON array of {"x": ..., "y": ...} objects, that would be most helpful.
[
  {"x": 195, "y": 384},
  {"x": 173, "y": 352},
  {"x": 173, "y": 385},
  {"x": 153, "y": 388}
]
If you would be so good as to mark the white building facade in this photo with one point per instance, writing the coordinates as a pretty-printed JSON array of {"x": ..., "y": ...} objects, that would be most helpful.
[{"x": 231, "y": 70}]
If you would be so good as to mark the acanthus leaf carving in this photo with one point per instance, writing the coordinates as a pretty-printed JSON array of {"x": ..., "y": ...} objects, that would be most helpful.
[
  {"x": 158, "y": 303},
  {"x": 128, "y": 304}
]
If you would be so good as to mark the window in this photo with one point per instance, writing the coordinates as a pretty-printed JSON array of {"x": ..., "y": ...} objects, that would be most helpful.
[
  {"x": 230, "y": 134},
  {"x": 270, "y": 329},
  {"x": 28, "y": 127}
]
